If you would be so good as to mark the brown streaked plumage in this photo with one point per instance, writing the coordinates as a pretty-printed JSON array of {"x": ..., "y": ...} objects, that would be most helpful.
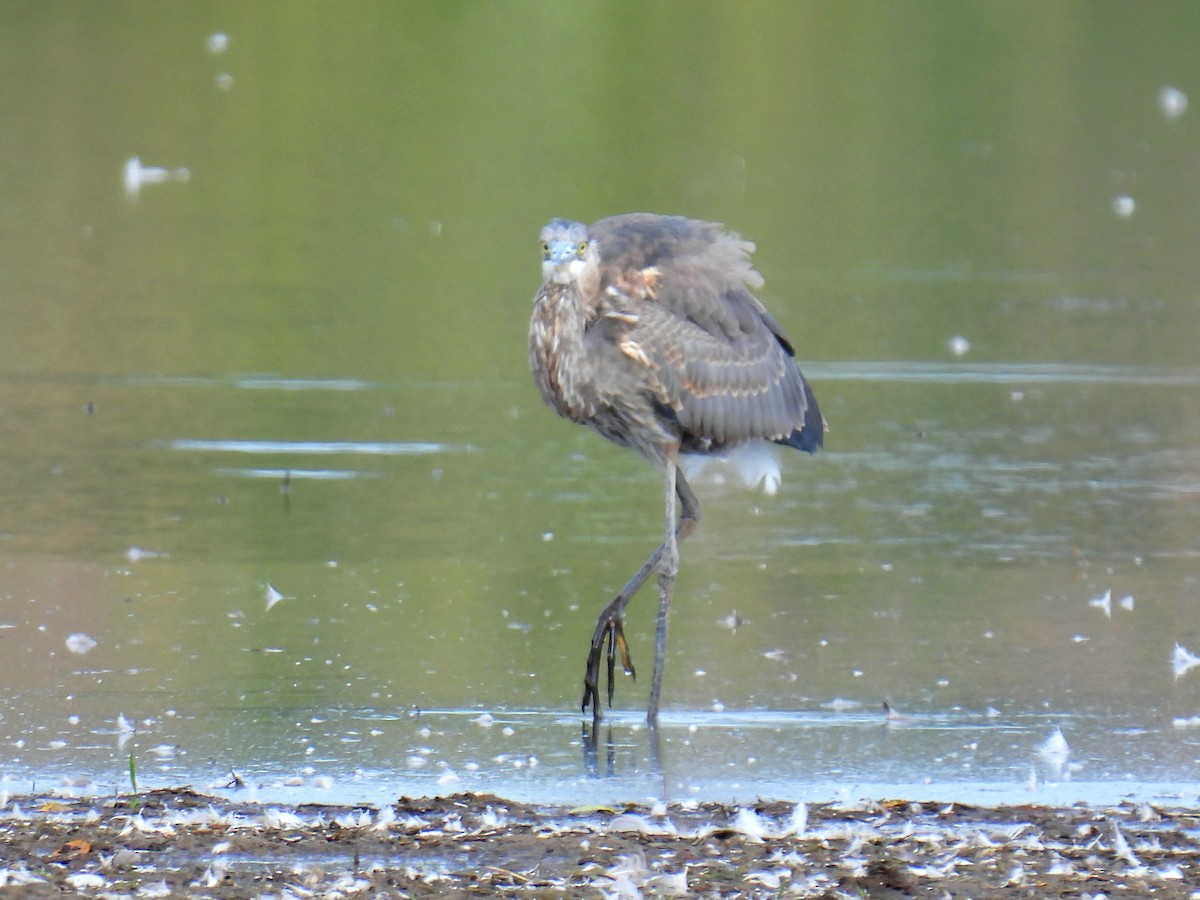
[{"x": 646, "y": 330}]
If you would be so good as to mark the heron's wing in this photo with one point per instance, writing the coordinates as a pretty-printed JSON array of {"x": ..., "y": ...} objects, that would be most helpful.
[
  {"x": 722, "y": 391},
  {"x": 677, "y": 301},
  {"x": 697, "y": 270}
]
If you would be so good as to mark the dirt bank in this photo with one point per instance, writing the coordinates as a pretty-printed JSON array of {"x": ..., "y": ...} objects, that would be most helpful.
[{"x": 178, "y": 843}]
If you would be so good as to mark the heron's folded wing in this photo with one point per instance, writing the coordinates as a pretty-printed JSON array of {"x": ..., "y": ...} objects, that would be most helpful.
[
  {"x": 678, "y": 292},
  {"x": 722, "y": 390}
]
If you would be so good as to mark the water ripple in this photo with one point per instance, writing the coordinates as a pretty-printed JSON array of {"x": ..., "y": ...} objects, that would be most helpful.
[
  {"x": 369, "y": 448},
  {"x": 1000, "y": 373}
]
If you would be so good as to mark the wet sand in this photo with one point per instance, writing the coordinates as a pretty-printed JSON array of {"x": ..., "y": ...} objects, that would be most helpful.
[{"x": 179, "y": 843}]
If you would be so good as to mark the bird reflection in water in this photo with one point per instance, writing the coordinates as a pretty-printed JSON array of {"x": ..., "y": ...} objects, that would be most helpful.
[{"x": 590, "y": 736}]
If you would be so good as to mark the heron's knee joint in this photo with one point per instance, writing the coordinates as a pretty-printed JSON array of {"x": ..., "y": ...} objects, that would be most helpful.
[{"x": 668, "y": 566}]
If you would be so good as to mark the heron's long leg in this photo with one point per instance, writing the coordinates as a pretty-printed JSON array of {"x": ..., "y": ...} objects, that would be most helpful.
[
  {"x": 610, "y": 625},
  {"x": 668, "y": 568}
]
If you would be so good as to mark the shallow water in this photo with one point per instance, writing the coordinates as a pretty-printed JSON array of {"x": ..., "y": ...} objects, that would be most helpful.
[
  {"x": 270, "y": 446},
  {"x": 293, "y": 611}
]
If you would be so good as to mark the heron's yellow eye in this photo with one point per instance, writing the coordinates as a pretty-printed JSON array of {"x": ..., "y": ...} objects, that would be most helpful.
[
  {"x": 545, "y": 250},
  {"x": 581, "y": 250}
]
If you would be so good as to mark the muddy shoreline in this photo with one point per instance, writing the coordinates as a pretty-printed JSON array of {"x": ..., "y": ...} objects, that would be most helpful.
[{"x": 176, "y": 843}]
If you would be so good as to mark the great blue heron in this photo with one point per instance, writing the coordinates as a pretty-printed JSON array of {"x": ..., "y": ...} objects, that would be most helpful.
[{"x": 646, "y": 330}]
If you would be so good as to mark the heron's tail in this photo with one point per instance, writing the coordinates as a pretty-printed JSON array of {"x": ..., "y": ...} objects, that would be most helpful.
[{"x": 811, "y": 436}]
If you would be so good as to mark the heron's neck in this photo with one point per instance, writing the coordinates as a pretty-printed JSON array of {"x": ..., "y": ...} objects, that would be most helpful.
[
  {"x": 562, "y": 313},
  {"x": 556, "y": 345}
]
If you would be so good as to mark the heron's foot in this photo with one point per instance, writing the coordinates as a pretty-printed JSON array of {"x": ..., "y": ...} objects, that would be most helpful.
[{"x": 610, "y": 629}]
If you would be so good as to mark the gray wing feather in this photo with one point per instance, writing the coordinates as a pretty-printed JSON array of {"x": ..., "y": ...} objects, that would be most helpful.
[{"x": 718, "y": 358}]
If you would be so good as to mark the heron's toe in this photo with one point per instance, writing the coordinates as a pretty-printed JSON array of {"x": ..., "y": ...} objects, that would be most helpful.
[{"x": 618, "y": 636}]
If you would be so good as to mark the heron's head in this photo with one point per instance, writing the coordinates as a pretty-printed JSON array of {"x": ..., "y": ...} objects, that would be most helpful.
[{"x": 568, "y": 251}]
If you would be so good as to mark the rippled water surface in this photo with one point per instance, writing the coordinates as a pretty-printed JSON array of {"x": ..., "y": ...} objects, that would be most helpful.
[{"x": 279, "y": 504}]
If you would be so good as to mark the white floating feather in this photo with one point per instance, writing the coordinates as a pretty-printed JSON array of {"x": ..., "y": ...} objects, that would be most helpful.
[
  {"x": 81, "y": 643},
  {"x": 273, "y": 595},
  {"x": 1172, "y": 101},
  {"x": 750, "y": 824},
  {"x": 1183, "y": 660},
  {"x": 87, "y": 881},
  {"x": 1103, "y": 602},
  {"x": 1055, "y": 751},
  {"x": 1121, "y": 848},
  {"x": 799, "y": 820}
]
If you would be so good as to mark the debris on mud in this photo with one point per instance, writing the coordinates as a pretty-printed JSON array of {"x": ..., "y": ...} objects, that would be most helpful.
[{"x": 176, "y": 843}]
